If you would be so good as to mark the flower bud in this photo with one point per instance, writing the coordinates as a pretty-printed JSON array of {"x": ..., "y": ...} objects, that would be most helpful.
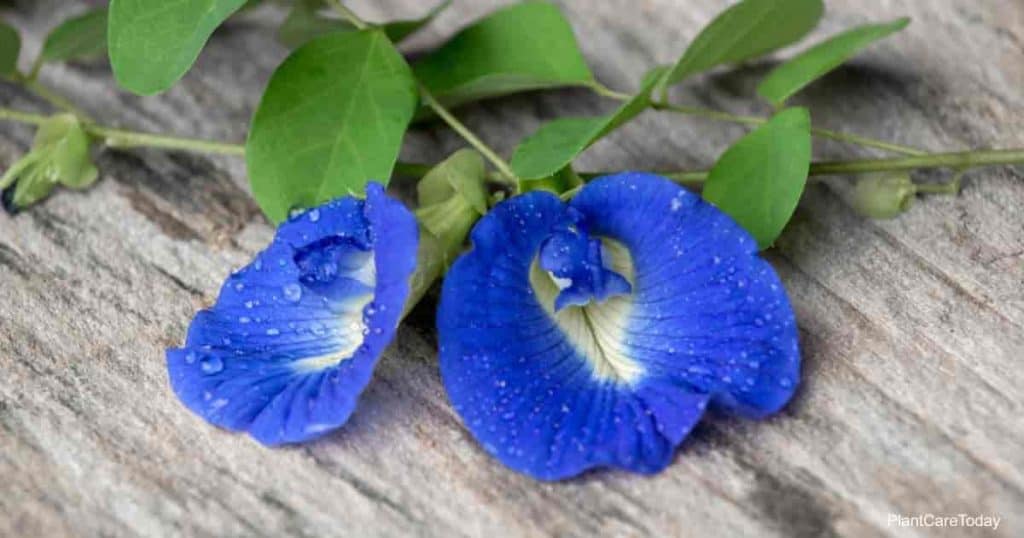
[
  {"x": 60, "y": 154},
  {"x": 884, "y": 196},
  {"x": 452, "y": 196}
]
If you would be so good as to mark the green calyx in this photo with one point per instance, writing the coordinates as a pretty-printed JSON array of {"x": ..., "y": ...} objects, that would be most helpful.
[
  {"x": 59, "y": 155},
  {"x": 452, "y": 196}
]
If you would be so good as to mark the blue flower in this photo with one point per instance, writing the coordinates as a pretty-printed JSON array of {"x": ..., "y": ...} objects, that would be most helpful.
[
  {"x": 596, "y": 333},
  {"x": 294, "y": 336}
]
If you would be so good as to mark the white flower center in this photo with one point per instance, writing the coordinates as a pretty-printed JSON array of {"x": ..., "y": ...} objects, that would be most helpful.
[
  {"x": 597, "y": 331},
  {"x": 350, "y": 328}
]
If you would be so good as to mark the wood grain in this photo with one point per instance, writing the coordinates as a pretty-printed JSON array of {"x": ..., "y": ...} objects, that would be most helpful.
[{"x": 913, "y": 329}]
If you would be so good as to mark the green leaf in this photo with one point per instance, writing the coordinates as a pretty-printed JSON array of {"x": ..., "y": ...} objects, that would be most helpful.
[
  {"x": 154, "y": 42},
  {"x": 758, "y": 181},
  {"x": 84, "y": 36},
  {"x": 10, "y": 46},
  {"x": 747, "y": 30},
  {"x": 526, "y": 46},
  {"x": 332, "y": 118},
  {"x": 305, "y": 22},
  {"x": 790, "y": 77},
  {"x": 556, "y": 144}
]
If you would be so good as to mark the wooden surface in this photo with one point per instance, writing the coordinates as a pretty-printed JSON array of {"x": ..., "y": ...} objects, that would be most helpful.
[{"x": 913, "y": 329}]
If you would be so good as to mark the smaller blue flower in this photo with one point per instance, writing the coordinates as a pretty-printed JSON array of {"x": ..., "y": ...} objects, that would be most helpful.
[
  {"x": 294, "y": 336},
  {"x": 595, "y": 333}
]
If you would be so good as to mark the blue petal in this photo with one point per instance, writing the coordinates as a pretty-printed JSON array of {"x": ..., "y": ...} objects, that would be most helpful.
[
  {"x": 294, "y": 336},
  {"x": 705, "y": 320}
]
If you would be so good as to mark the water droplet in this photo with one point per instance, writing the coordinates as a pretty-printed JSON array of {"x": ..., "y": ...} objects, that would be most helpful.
[
  {"x": 313, "y": 214},
  {"x": 258, "y": 264},
  {"x": 239, "y": 286},
  {"x": 785, "y": 382},
  {"x": 273, "y": 332},
  {"x": 190, "y": 357},
  {"x": 211, "y": 365},
  {"x": 292, "y": 292},
  {"x": 244, "y": 319}
]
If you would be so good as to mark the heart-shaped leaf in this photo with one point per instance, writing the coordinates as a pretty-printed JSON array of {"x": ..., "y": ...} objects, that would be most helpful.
[
  {"x": 332, "y": 118},
  {"x": 758, "y": 181}
]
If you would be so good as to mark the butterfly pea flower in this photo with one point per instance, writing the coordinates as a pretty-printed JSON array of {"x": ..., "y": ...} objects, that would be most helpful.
[
  {"x": 595, "y": 333},
  {"x": 294, "y": 336}
]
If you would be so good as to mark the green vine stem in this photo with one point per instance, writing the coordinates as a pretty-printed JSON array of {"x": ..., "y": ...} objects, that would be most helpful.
[
  {"x": 717, "y": 115},
  {"x": 46, "y": 94},
  {"x": 468, "y": 135},
  {"x": 349, "y": 15},
  {"x": 120, "y": 138},
  {"x": 821, "y": 133},
  {"x": 953, "y": 160}
]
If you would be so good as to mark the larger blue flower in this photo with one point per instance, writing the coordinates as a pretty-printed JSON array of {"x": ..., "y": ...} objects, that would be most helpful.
[
  {"x": 595, "y": 333},
  {"x": 294, "y": 336}
]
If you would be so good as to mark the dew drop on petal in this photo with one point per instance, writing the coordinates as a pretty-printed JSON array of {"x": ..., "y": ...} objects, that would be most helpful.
[
  {"x": 273, "y": 332},
  {"x": 313, "y": 214},
  {"x": 292, "y": 292},
  {"x": 190, "y": 357},
  {"x": 211, "y": 365}
]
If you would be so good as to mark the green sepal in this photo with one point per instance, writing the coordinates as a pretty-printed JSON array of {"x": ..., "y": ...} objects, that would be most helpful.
[
  {"x": 59, "y": 155},
  {"x": 452, "y": 196},
  {"x": 562, "y": 181}
]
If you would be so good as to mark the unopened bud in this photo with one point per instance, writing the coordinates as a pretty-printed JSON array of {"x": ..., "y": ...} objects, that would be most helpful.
[{"x": 884, "y": 196}]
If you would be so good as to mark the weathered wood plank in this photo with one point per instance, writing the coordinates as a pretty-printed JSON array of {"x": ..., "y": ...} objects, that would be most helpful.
[{"x": 912, "y": 328}]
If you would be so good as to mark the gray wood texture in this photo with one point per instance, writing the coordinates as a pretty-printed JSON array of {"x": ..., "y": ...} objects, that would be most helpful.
[{"x": 913, "y": 329}]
